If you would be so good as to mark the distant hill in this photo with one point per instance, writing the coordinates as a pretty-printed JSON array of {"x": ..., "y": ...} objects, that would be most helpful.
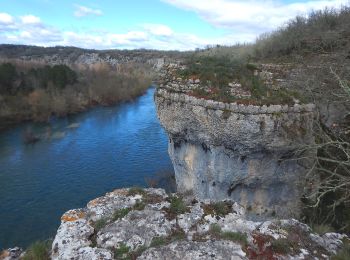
[{"x": 62, "y": 54}]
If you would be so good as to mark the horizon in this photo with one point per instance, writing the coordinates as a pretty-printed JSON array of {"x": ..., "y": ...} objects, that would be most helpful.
[{"x": 153, "y": 25}]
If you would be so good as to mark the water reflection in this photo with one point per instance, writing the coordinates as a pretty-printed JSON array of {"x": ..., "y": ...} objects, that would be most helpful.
[{"x": 76, "y": 159}]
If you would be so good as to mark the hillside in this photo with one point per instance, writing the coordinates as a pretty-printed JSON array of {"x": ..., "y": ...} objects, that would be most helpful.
[
  {"x": 71, "y": 55},
  {"x": 306, "y": 60}
]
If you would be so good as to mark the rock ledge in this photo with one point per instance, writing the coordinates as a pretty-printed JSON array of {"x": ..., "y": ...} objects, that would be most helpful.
[{"x": 149, "y": 224}]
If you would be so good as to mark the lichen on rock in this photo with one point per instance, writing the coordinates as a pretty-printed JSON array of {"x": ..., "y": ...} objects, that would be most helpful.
[{"x": 181, "y": 227}]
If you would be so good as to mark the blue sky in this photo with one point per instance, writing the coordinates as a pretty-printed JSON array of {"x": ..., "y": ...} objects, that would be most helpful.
[{"x": 152, "y": 24}]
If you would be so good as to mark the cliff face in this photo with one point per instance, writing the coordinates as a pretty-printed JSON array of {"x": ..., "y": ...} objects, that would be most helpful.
[{"x": 245, "y": 153}]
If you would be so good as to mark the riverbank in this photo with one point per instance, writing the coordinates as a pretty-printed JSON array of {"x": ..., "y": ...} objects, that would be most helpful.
[
  {"x": 12, "y": 120},
  {"x": 29, "y": 91}
]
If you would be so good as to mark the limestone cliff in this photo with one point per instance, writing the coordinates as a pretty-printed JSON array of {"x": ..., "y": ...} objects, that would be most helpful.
[{"x": 242, "y": 152}]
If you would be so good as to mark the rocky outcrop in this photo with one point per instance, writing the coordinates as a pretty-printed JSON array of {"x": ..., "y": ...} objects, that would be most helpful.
[
  {"x": 149, "y": 224},
  {"x": 243, "y": 152}
]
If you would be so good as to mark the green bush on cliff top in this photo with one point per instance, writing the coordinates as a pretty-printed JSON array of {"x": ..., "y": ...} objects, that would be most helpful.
[{"x": 39, "y": 250}]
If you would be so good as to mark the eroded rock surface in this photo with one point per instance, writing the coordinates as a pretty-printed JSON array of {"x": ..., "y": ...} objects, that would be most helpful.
[
  {"x": 242, "y": 152},
  {"x": 189, "y": 250},
  {"x": 149, "y": 224}
]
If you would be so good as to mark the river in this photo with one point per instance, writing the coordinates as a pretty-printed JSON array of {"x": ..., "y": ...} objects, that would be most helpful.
[{"x": 78, "y": 158}]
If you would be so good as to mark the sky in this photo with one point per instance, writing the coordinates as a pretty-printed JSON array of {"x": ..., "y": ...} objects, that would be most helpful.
[{"x": 150, "y": 24}]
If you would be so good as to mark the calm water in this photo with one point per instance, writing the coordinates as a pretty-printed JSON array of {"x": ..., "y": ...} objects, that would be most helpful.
[{"x": 80, "y": 158}]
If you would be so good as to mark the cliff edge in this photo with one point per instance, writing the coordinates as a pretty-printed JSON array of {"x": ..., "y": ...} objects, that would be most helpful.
[
  {"x": 232, "y": 150},
  {"x": 149, "y": 224}
]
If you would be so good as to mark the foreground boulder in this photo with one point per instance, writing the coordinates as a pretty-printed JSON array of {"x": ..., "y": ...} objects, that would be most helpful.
[{"x": 149, "y": 224}]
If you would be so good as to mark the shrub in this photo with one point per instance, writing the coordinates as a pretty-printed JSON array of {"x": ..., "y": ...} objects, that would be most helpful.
[
  {"x": 7, "y": 75},
  {"x": 39, "y": 250},
  {"x": 120, "y": 213},
  {"x": 222, "y": 208},
  {"x": 158, "y": 241},
  {"x": 136, "y": 191},
  {"x": 31, "y": 90},
  {"x": 321, "y": 229},
  {"x": 215, "y": 229},
  {"x": 139, "y": 205},
  {"x": 281, "y": 246},
  {"x": 99, "y": 224},
  {"x": 216, "y": 70},
  {"x": 122, "y": 252},
  {"x": 235, "y": 237},
  {"x": 59, "y": 75},
  {"x": 322, "y": 31},
  {"x": 329, "y": 200},
  {"x": 177, "y": 205},
  {"x": 344, "y": 253}
]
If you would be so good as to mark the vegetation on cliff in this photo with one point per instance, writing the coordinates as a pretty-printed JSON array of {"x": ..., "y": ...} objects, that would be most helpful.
[
  {"x": 220, "y": 75},
  {"x": 312, "y": 54},
  {"x": 322, "y": 37}
]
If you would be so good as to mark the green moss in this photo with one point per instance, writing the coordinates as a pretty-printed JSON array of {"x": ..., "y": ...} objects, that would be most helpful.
[
  {"x": 158, "y": 241},
  {"x": 39, "y": 250},
  {"x": 139, "y": 205},
  {"x": 215, "y": 229},
  {"x": 99, "y": 224},
  {"x": 120, "y": 213},
  {"x": 122, "y": 252},
  {"x": 138, "y": 252},
  {"x": 177, "y": 205}
]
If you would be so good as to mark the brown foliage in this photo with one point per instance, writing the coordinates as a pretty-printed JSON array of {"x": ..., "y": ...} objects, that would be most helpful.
[{"x": 99, "y": 83}]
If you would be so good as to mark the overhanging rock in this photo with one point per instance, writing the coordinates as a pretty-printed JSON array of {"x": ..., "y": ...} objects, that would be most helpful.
[{"x": 242, "y": 152}]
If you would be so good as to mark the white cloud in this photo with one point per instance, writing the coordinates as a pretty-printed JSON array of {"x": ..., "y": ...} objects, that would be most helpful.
[
  {"x": 30, "y": 19},
  {"x": 82, "y": 11},
  {"x": 25, "y": 34},
  {"x": 251, "y": 15},
  {"x": 158, "y": 29},
  {"x": 243, "y": 22},
  {"x": 6, "y": 19}
]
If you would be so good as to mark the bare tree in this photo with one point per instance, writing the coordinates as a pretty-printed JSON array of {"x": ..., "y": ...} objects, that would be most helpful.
[{"x": 329, "y": 176}]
